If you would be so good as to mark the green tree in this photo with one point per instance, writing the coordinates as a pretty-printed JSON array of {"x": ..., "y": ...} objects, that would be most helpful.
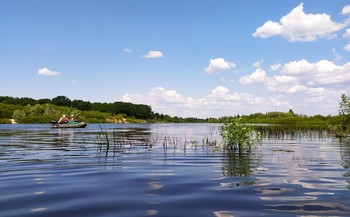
[
  {"x": 50, "y": 111},
  {"x": 61, "y": 101},
  {"x": 44, "y": 101},
  {"x": 37, "y": 110},
  {"x": 344, "y": 106},
  {"x": 19, "y": 115},
  {"x": 81, "y": 105},
  {"x": 291, "y": 112},
  {"x": 343, "y": 124}
]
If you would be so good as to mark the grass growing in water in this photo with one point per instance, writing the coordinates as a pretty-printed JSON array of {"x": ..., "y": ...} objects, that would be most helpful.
[{"x": 239, "y": 136}]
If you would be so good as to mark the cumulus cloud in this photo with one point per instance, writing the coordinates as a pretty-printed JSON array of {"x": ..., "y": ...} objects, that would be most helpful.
[
  {"x": 285, "y": 84},
  {"x": 219, "y": 91},
  {"x": 319, "y": 91},
  {"x": 170, "y": 96},
  {"x": 275, "y": 67},
  {"x": 321, "y": 72},
  {"x": 346, "y": 10},
  {"x": 153, "y": 54},
  {"x": 347, "y": 33},
  {"x": 269, "y": 29},
  {"x": 299, "y": 26},
  {"x": 279, "y": 84},
  {"x": 218, "y": 103},
  {"x": 347, "y": 47},
  {"x": 257, "y": 64},
  {"x": 256, "y": 77},
  {"x": 48, "y": 72},
  {"x": 219, "y": 64}
]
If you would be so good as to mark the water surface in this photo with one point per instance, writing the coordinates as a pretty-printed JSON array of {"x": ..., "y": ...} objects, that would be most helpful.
[{"x": 167, "y": 170}]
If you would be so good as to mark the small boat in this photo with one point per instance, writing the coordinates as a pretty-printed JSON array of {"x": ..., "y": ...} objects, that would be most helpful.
[{"x": 69, "y": 125}]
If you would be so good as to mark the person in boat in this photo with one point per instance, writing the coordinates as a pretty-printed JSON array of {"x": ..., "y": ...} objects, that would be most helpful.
[
  {"x": 63, "y": 120},
  {"x": 72, "y": 120}
]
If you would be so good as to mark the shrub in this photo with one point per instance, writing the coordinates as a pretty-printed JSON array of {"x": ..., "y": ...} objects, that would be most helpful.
[{"x": 237, "y": 135}]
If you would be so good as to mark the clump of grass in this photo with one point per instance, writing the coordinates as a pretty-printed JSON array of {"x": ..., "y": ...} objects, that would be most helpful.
[
  {"x": 291, "y": 131},
  {"x": 239, "y": 136}
]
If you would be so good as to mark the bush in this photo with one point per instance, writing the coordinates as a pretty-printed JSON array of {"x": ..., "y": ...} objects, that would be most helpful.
[
  {"x": 237, "y": 135},
  {"x": 5, "y": 121}
]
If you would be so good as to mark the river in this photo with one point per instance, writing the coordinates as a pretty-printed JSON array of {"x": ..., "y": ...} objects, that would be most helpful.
[{"x": 134, "y": 170}]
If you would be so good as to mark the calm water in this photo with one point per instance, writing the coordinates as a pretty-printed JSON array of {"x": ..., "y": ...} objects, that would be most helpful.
[{"x": 167, "y": 170}]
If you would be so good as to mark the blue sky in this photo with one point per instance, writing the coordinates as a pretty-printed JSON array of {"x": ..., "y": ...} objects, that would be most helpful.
[{"x": 199, "y": 58}]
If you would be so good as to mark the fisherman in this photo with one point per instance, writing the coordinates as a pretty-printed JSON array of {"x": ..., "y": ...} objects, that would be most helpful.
[
  {"x": 63, "y": 120},
  {"x": 72, "y": 120}
]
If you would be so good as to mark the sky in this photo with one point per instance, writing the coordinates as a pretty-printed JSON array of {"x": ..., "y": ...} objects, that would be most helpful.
[{"x": 187, "y": 58}]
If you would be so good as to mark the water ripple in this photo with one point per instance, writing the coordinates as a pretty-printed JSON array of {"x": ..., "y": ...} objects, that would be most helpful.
[{"x": 167, "y": 170}]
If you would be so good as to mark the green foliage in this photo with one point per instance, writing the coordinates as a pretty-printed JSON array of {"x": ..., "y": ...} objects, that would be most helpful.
[
  {"x": 344, "y": 105},
  {"x": 5, "y": 121},
  {"x": 342, "y": 126},
  {"x": 36, "y": 110},
  {"x": 61, "y": 101},
  {"x": 81, "y": 105},
  {"x": 19, "y": 115},
  {"x": 63, "y": 105},
  {"x": 6, "y": 110},
  {"x": 237, "y": 135}
]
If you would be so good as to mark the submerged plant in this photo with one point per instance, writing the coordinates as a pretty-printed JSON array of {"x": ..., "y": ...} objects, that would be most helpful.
[{"x": 238, "y": 135}]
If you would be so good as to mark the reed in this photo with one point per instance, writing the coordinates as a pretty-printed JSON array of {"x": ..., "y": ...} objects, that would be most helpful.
[{"x": 292, "y": 131}]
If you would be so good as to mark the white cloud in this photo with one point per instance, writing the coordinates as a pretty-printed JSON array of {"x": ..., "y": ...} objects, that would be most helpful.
[
  {"x": 299, "y": 26},
  {"x": 298, "y": 67},
  {"x": 322, "y": 72},
  {"x": 347, "y": 47},
  {"x": 218, "y": 103},
  {"x": 316, "y": 91},
  {"x": 170, "y": 96},
  {"x": 153, "y": 54},
  {"x": 346, "y": 10},
  {"x": 217, "y": 65},
  {"x": 347, "y": 33},
  {"x": 48, "y": 72},
  {"x": 285, "y": 84},
  {"x": 275, "y": 67},
  {"x": 127, "y": 50},
  {"x": 219, "y": 91},
  {"x": 256, "y": 77},
  {"x": 269, "y": 29},
  {"x": 257, "y": 64}
]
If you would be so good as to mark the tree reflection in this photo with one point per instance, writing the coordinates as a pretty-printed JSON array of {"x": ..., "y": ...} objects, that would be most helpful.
[
  {"x": 239, "y": 163},
  {"x": 345, "y": 156}
]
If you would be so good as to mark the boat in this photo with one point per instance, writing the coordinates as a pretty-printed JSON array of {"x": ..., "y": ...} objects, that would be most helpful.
[{"x": 69, "y": 125}]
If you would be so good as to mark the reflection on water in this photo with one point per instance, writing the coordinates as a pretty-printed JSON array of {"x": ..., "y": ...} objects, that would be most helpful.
[
  {"x": 240, "y": 164},
  {"x": 168, "y": 170}
]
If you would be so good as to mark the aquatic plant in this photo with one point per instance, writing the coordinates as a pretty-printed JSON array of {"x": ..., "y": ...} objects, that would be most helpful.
[
  {"x": 291, "y": 131},
  {"x": 237, "y": 135}
]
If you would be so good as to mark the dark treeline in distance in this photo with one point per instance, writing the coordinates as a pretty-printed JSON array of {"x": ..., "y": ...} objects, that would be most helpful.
[
  {"x": 133, "y": 110},
  {"x": 29, "y": 110}
]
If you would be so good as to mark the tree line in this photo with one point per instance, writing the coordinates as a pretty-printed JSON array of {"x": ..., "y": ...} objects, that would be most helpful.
[
  {"x": 138, "y": 111},
  {"x": 29, "y": 110}
]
